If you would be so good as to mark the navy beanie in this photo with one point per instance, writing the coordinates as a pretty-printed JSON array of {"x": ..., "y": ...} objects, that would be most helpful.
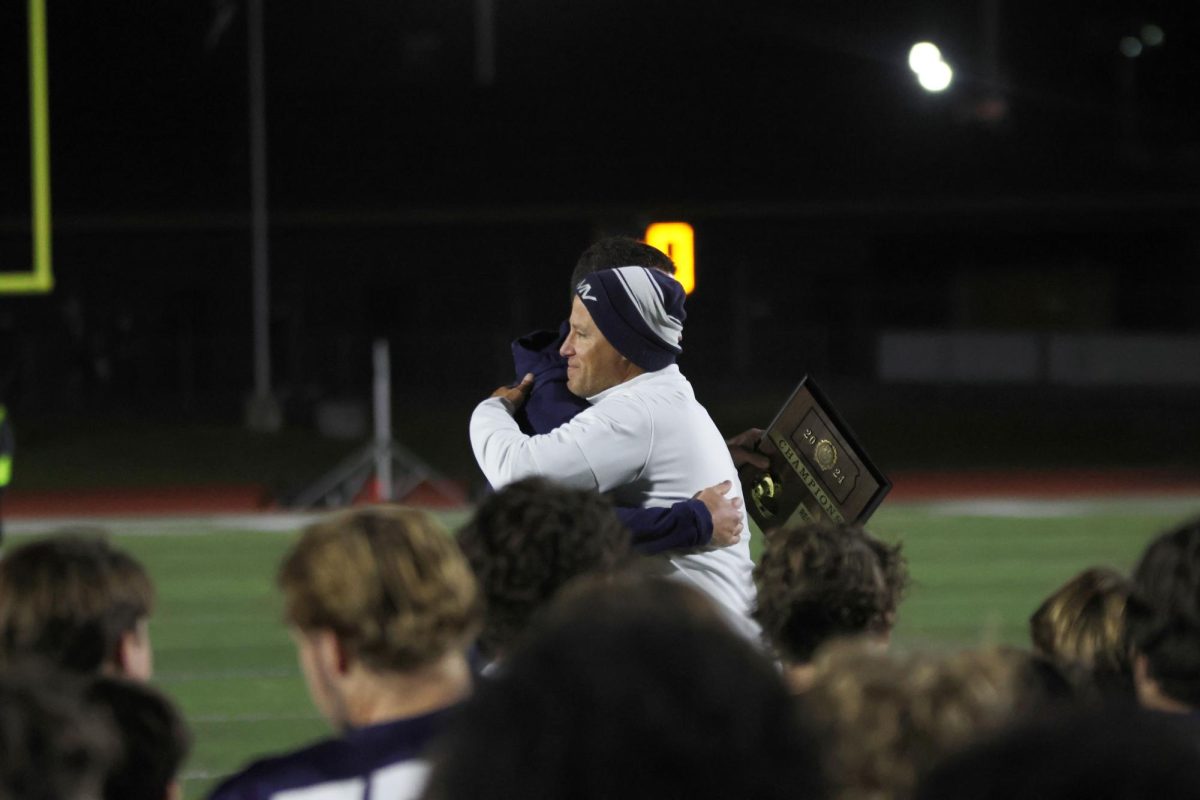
[{"x": 640, "y": 312}]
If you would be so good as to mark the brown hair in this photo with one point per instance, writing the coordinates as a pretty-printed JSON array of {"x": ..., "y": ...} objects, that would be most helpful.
[
  {"x": 388, "y": 581},
  {"x": 619, "y": 251},
  {"x": 817, "y": 582},
  {"x": 69, "y": 598},
  {"x": 54, "y": 745},
  {"x": 1083, "y": 626}
]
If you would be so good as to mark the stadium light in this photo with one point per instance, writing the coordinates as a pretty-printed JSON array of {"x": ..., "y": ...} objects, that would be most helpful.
[
  {"x": 1130, "y": 46},
  {"x": 936, "y": 77},
  {"x": 933, "y": 73},
  {"x": 922, "y": 56},
  {"x": 678, "y": 241},
  {"x": 1152, "y": 35}
]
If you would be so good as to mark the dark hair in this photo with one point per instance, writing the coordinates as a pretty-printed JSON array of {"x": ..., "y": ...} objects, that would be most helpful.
[
  {"x": 527, "y": 541},
  {"x": 820, "y": 581},
  {"x": 619, "y": 251},
  {"x": 53, "y": 745},
  {"x": 1111, "y": 754},
  {"x": 69, "y": 598},
  {"x": 154, "y": 739},
  {"x": 1081, "y": 627},
  {"x": 625, "y": 690},
  {"x": 1164, "y": 613}
]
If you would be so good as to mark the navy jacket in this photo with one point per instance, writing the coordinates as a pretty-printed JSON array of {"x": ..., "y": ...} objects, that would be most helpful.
[
  {"x": 361, "y": 754},
  {"x": 550, "y": 403}
]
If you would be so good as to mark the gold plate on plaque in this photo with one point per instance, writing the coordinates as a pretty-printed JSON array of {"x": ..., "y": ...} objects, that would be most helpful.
[{"x": 825, "y": 454}]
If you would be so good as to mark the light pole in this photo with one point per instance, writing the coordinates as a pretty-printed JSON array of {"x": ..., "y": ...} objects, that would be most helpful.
[{"x": 262, "y": 409}]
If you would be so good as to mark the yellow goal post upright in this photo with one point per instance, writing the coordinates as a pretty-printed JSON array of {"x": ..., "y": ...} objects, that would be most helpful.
[{"x": 40, "y": 278}]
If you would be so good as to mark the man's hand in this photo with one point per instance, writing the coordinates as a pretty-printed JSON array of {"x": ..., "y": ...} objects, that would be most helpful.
[
  {"x": 741, "y": 449},
  {"x": 514, "y": 396},
  {"x": 726, "y": 514}
]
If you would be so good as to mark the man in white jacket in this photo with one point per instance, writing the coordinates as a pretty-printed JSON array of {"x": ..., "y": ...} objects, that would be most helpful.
[{"x": 644, "y": 440}]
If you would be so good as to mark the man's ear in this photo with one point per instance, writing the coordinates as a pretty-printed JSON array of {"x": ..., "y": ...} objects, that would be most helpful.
[
  {"x": 333, "y": 656},
  {"x": 133, "y": 658},
  {"x": 1144, "y": 685},
  {"x": 1141, "y": 667}
]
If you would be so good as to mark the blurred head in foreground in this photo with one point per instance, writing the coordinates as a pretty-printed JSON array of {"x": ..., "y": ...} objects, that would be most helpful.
[
  {"x": 1081, "y": 627},
  {"x": 1164, "y": 621},
  {"x": 526, "y": 542},
  {"x": 153, "y": 737},
  {"x": 885, "y": 720},
  {"x": 820, "y": 582},
  {"x": 633, "y": 689},
  {"x": 53, "y": 745},
  {"x": 382, "y": 605},
  {"x": 78, "y": 602},
  {"x": 1107, "y": 754}
]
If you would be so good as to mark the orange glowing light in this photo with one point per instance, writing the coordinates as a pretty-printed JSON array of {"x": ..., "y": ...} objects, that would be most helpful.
[{"x": 678, "y": 241}]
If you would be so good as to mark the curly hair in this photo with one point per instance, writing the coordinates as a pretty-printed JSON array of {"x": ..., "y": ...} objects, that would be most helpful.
[
  {"x": 388, "y": 581},
  {"x": 527, "y": 541},
  {"x": 820, "y": 581},
  {"x": 69, "y": 598},
  {"x": 619, "y": 251}
]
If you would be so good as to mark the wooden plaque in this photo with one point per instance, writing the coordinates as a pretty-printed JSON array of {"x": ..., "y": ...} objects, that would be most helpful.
[{"x": 818, "y": 469}]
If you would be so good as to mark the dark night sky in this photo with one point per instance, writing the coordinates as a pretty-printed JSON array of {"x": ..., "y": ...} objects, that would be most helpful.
[
  {"x": 373, "y": 104},
  {"x": 1054, "y": 188}
]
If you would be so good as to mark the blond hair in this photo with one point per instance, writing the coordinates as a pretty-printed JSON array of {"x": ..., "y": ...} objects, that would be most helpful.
[{"x": 389, "y": 581}]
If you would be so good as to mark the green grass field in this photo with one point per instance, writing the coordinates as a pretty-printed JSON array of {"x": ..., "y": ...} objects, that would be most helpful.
[{"x": 222, "y": 652}]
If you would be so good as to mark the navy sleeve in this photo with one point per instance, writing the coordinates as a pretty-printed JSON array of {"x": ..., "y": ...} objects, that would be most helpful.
[
  {"x": 550, "y": 402},
  {"x": 549, "y": 405},
  {"x": 684, "y": 525}
]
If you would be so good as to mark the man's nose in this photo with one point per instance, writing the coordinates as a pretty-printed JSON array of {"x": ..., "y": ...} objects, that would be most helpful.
[{"x": 568, "y": 347}]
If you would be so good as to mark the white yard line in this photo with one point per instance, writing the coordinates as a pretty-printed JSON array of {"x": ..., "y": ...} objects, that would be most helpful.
[
  {"x": 292, "y": 521},
  {"x": 264, "y": 522},
  {"x": 230, "y": 718},
  {"x": 1046, "y": 508},
  {"x": 201, "y": 775},
  {"x": 225, "y": 674}
]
